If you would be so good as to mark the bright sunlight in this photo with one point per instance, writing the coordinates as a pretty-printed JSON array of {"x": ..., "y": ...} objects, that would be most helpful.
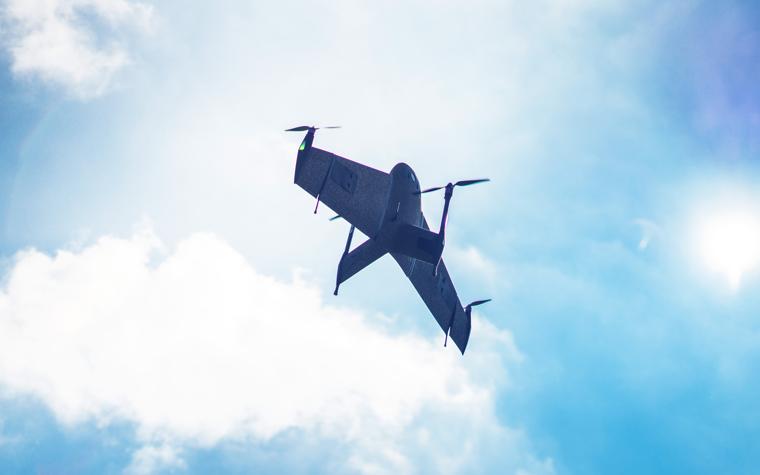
[{"x": 729, "y": 243}]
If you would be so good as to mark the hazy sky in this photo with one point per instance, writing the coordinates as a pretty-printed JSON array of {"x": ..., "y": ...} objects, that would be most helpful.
[{"x": 166, "y": 295}]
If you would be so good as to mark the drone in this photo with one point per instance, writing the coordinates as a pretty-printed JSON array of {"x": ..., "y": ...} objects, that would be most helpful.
[{"x": 386, "y": 207}]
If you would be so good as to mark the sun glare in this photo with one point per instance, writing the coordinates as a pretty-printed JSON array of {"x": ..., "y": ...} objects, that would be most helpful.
[{"x": 729, "y": 243}]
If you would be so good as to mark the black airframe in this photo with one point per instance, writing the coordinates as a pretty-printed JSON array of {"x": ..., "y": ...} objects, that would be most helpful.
[{"x": 386, "y": 207}]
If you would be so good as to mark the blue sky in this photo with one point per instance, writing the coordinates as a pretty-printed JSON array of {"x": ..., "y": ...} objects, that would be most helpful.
[{"x": 166, "y": 301}]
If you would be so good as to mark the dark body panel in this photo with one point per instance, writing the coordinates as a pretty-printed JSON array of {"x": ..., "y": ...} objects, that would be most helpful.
[
  {"x": 402, "y": 230},
  {"x": 435, "y": 288},
  {"x": 438, "y": 292},
  {"x": 356, "y": 260},
  {"x": 386, "y": 208},
  {"x": 356, "y": 192}
]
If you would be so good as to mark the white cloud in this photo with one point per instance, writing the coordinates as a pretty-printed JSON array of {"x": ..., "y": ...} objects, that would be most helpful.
[
  {"x": 196, "y": 347},
  {"x": 475, "y": 262},
  {"x": 649, "y": 230},
  {"x": 58, "y": 42},
  {"x": 150, "y": 459}
]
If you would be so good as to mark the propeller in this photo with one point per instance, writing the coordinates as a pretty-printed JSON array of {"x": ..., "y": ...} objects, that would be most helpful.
[
  {"x": 477, "y": 302},
  {"x": 468, "y": 308},
  {"x": 304, "y": 128},
  {"x": 467, "y": 311},
  {"x": 459, "y": 183}
]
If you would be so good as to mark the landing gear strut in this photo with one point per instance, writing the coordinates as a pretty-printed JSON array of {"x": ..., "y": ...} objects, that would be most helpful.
[{"x": 442, "y": 230}]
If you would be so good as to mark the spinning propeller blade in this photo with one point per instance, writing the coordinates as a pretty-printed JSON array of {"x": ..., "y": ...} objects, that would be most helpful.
[
  {"x": 471, "y": 182},
  {"x": 459, "y": 183},
  {"x": 431, "y": 189},
  {"x": 478, "y": 302},
  {"x": 304, "y": 128}
]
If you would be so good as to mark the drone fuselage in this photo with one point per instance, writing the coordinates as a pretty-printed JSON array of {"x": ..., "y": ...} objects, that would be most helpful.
[
  {"x": 386, "y": 207},
  {"x": 403, "y": 229}
]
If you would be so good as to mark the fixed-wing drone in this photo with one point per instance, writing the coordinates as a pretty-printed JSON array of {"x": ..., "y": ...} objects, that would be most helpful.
[{"x": 386, "y": 207}]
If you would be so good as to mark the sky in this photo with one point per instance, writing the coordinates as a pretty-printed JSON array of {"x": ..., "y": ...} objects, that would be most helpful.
[{"x": 166, "y": 296}]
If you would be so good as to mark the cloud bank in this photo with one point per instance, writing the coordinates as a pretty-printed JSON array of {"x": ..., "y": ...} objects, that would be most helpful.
[
  {"x": 196, "y": 347},
  {"x": 71, "y": 43}
]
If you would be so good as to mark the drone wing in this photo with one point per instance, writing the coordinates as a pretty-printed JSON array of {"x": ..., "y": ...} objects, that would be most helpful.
[
  {"x": 356, "y": 192},
  {"x": 439, "y": 295}
]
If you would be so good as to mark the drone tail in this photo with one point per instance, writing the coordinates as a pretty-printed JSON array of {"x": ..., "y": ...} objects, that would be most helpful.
[{"x": 353, "y": 262}]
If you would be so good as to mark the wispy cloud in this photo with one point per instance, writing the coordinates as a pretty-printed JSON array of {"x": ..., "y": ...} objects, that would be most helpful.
[
  {"x": 71, "y": 43},
  {"x": 151, "y": 459},
  {"x": 649, "y": 230},
  {"x": 474, "y": 261}
]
